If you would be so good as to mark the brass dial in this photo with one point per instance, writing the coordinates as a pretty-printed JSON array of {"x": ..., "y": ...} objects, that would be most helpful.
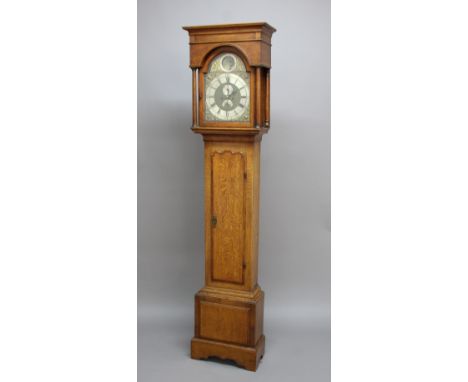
[{"x": 227, "y": 90}]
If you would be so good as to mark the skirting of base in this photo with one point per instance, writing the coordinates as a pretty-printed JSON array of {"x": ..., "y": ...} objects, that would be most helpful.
[{"x": 247, "y": 357}]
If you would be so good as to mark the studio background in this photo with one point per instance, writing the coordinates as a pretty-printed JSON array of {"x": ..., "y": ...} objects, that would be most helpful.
[{"x": 294, "y": 249}]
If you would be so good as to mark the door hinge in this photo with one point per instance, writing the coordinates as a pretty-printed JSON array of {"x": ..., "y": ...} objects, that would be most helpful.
[{"x": 214, "y": 221}]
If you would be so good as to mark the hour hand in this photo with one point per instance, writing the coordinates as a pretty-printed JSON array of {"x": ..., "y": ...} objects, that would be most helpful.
[{"x": 234, "y": 91}]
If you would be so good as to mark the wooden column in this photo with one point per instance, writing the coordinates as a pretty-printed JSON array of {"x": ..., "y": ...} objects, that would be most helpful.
[
  {"x": 258, "y": 96},
  {"x": 194, "y": 97},
  {"x": 267, "y": 99}
]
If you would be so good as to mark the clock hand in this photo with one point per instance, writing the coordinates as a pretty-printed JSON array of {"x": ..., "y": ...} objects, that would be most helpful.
[{"x": 233, "y": 93}]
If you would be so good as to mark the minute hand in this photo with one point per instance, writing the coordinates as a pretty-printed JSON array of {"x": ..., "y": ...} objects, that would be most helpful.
[{"x": 233, "y": 92}]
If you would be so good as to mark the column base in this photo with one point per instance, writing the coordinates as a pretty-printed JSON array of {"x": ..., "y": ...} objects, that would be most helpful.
[{"x": 244, "y": 356}]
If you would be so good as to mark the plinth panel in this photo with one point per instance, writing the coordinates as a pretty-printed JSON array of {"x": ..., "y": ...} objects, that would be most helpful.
[{"x": 228, "y": 323}]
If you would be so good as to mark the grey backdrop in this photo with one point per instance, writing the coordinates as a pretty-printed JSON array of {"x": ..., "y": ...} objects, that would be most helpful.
[{"x": 295, "y": 192}]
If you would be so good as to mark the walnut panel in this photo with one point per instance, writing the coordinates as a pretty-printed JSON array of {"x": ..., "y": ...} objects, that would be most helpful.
[
  {"x": 229, "y": 323},
  {"x": 228, "y": 217}
]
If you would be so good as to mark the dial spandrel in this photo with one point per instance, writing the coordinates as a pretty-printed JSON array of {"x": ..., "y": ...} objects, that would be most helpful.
[{"x": 227, "y": 90}]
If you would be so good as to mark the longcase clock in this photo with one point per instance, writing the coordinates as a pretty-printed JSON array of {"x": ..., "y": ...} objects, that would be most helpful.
[{"x": 231, "y": 110}]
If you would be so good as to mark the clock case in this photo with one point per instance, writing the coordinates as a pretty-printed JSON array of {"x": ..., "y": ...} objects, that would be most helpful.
[
  {"x": 229, "y": 308},
  {"x": 252, "y": 43}
]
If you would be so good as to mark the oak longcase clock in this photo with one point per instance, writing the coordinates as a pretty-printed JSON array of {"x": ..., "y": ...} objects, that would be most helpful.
[{"x": 231, "y": 110}]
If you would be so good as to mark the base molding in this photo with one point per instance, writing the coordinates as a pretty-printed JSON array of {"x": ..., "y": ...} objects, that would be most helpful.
[{"x": 245, "y": 356}]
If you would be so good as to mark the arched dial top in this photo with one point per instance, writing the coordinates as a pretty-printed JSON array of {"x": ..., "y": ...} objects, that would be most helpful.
[{"x": 227, "y": 89}]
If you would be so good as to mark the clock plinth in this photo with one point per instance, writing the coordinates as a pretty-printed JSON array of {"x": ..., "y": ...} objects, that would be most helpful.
[
  {"x": 229, "y": 326},
  {"x": 231, "y": 91}
]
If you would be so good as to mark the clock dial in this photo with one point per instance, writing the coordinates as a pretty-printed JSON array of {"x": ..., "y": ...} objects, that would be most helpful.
[
  {"x": 227, "y": 90},
  {"x": 227, "y": 96}
]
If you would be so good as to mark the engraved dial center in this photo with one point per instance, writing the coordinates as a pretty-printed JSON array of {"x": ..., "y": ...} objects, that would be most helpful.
[{"x": 227, "y": 97}]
